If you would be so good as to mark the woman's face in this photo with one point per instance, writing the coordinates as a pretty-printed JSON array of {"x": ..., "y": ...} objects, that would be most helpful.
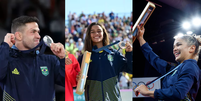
[
  {"x": 181, "y": 50},
  {"x": 96, "y": 34}
]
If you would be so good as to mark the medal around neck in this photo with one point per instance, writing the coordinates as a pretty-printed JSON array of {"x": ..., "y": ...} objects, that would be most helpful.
[{"x": 47, "y": 40}]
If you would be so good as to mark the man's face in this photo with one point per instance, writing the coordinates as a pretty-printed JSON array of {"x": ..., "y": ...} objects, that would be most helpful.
[{"x": 30, "y": 35}]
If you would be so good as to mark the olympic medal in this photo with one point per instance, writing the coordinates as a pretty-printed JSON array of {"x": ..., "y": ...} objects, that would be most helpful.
[{"x": 47, "y": 40}]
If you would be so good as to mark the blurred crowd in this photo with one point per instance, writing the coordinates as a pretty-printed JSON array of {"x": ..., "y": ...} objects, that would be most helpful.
[{"x": 118, "y": 28}]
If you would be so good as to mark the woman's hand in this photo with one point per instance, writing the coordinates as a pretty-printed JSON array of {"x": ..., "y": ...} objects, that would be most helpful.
[
  {"x": 142, "y": 89},
  {"x": 78, "y": 76},
  {"x": 140, "y": 32},
  {"x": 128, "y": 47},
  {"x": 140, "y": 35}
]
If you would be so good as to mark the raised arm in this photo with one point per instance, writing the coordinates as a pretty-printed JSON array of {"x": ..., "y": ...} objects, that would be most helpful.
[
  {"x": 124, "y": 63},
  {"x": 160, "y": 65},
  {"x": 4, "y": 53},
  {"x": 140, "y": 35},
  {"x": 58, "y": 50}
]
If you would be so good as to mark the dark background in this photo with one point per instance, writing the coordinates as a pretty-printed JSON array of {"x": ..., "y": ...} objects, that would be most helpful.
[
  {"x": 164, "y": 23},
  {"x": 51, "y": 15}
]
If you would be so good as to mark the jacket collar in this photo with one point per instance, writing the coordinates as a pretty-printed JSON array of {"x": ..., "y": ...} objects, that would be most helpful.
[{"x": 34, "y": 50}]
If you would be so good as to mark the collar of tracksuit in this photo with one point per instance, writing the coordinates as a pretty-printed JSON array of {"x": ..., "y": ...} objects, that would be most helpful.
[{"x": 33, "y": 50}]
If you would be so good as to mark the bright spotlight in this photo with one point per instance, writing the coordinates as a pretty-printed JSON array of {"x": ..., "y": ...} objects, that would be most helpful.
[
  {"x": 178, "y": 35},
  {"x": 189, "y": 32},
  {"x": 196, "y": 22},
  {"x": 186, "y": 25}
]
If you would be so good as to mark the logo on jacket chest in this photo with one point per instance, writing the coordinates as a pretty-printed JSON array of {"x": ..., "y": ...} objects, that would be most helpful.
[
  {"x": 15, "y": 71},
  {"x": 109, "y": 57},
  {"x": 44, "y": 70}
]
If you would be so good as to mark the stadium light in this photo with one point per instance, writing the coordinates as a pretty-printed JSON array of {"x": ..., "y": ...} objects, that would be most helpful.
[
  {"x": 178, "y": 35},
  {"x": 196, "y": 21},
  {"x": 186, "y": 25}
]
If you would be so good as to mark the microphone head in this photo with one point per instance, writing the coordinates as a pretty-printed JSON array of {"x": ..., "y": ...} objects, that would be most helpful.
[{"x": 47, "y": 40}]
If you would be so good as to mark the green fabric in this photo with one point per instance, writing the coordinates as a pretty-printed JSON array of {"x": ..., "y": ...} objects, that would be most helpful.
[
  {"x": 71, "y": 49},
  {"x": 93, "y": 88},
  {"x": 108, "y": 89},
  {"x": 111, "y": 91}
]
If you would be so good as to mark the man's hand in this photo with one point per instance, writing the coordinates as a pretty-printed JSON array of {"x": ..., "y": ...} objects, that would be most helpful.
[
  {"x": 9, "y": 39},
  {"x": 58, "y": 50}
]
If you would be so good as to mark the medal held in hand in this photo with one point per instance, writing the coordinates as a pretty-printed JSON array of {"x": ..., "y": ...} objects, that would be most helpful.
[
  {"x": 47, "y": 40},
  {"x": 122, "y": 45}
]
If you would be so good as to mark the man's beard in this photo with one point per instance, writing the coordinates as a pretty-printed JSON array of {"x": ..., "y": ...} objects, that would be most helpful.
[{"x": 29, "y": 47}]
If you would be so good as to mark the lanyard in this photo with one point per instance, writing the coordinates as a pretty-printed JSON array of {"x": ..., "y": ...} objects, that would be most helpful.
[
  {"x": 105, "y": 47},
  {"x": 160, "y": 77}
]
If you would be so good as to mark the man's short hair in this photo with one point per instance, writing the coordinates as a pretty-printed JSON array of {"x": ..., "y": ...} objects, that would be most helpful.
[{"x": 20, "y": 22}]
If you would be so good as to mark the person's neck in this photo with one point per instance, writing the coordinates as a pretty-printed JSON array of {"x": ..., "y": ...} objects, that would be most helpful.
[
  {"x": 99, "y": 45},
  {"x": 190, "y": 57},
  {"x": 20, "y": 46}
]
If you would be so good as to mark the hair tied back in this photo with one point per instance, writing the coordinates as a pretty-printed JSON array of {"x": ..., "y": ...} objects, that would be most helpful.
[{"x": 198, "y": 39}]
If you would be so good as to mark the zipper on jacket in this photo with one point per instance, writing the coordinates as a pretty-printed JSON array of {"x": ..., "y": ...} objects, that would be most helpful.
[
  {"x": 34, "y": 76},
  {"x": 101, "y": 78}
]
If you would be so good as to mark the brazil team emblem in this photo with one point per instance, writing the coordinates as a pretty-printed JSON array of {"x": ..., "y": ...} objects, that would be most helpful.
[
  {"x": 44, "y": 70},
  {"x": 110, "y": 58}
]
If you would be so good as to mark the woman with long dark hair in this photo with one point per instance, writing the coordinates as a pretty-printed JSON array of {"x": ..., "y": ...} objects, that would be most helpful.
[{"x": 105, "y": 66}]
